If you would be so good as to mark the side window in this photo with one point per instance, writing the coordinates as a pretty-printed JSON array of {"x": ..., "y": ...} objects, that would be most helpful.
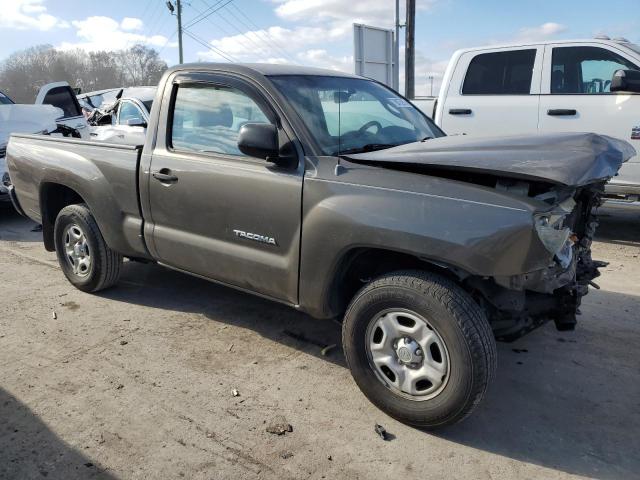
[
  {"x": 129, "y": 111},
  {"x": 63, "y": 98},
  {"x": 586, "y": 70},
  {"x": 207, "y": 118},
  {"x": 500, "y": 73}
]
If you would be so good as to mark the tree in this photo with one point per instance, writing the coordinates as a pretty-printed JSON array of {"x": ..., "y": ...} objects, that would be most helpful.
[
  {"x": 24, "y": 72},
  {"x": 141, "y": 65}
]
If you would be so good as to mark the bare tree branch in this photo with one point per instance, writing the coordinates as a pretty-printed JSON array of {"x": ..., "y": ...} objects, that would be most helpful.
[{"x": 24, "y": 72}]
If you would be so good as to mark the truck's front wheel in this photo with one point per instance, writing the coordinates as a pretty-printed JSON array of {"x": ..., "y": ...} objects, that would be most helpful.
[
  {"x": 85, "y": 258},
  {"x": 419, "y": 348}
]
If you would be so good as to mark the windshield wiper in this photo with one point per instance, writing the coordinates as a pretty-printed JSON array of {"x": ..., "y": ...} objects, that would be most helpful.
[{"x": 369, "y": 147}]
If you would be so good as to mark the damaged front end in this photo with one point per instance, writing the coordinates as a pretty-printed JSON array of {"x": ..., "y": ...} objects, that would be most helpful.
[
  {"x": 517, "y": 304},
  {"x": 561, "y": 177}
]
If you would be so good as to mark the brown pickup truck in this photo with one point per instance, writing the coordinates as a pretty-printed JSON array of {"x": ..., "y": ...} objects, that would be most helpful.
[{"x": 333, "y": 194}]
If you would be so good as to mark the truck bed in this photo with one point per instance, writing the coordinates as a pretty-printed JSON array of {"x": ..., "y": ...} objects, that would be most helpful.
[{"x": 102, "y": 174}]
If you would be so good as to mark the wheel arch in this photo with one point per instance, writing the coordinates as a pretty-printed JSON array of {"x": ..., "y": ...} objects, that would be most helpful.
[
  {"x": 53, "y": 198},
  {"x": 359, "y": 265}
]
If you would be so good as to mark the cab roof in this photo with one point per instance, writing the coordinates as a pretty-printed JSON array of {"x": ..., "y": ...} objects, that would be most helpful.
[
  {"x": 606, "y": 41},
  {"x": 263, "y": 69}
]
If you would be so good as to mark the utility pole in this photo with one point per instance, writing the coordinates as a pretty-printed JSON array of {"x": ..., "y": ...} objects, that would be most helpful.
[
  {"x": 396, "y": 51},
  {"x": 179, "y": 5},
  {"x": 179, "y": 16},
  {"x": 409, "y": 51}
]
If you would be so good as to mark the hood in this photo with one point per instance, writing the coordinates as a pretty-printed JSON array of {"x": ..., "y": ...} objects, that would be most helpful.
[
  {"x": 571, "y": 159},
  {"x": 27, "y": 119}
]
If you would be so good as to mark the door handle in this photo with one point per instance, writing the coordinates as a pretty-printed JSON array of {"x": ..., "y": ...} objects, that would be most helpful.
[
  {"x": 557, "y": 112},
  {"x": 460, "y": 111},
  {"x": 164, "y": 175}
]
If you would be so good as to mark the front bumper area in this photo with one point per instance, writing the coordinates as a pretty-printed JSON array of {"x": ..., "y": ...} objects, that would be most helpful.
[{"x": 520, "y": 303}]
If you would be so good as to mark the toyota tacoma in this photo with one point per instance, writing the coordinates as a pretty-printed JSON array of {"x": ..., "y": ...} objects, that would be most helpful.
[{"x": 331, "y": 193}]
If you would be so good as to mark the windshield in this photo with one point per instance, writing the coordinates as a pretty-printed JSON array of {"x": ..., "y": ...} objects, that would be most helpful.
[{"x": 349, "y": 115}]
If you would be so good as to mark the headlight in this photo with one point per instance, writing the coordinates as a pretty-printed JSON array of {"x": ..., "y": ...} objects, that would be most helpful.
[{"x": 554, "y": 236}]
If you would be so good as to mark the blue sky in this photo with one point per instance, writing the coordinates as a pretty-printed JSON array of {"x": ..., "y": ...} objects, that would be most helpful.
[{"x": 312, "y": 32}]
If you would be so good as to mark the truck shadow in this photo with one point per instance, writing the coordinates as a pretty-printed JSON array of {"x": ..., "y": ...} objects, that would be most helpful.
[
  {"x": 16, "y": 228},
  {"x": 565, "y": 401},
  {"x": 160, "y": 287},
  {"x": 29, "y": 449}
]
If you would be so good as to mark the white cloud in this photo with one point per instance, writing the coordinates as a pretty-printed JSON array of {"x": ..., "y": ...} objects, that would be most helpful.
[
  {"x": 268, "y": 42},
  {"x": 322, "y": 59},
  {"x": 28, "y": 15},
  {"x": 105, "y": 33},
  {"x": 279, "y": 45},
  {"x": 317, "y": 23},
  {"x": 129, "y": 23},
  {"x": 314, "y": 28},
  {"x": 341, "y": 14},
  {"x": 541, "y": 32}
]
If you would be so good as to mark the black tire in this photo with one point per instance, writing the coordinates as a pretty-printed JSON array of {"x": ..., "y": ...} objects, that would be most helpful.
[
  {"x": 105, "y": 263},
  {"x": 461, "y": 324}
]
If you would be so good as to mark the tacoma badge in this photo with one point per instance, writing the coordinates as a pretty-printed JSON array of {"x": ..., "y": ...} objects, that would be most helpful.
[{"x": 255, "y": 237}]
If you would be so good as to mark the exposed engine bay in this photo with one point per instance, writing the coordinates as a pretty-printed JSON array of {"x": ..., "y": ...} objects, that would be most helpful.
[{"x": 518, "y": 304}]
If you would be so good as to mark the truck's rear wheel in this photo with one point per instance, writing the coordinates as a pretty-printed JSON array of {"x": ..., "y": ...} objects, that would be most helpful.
[
  {"x": 419, "y": 348},
  {"x": 86, "y": 260}
]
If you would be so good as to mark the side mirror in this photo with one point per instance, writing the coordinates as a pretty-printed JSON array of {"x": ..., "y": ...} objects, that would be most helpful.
[
  {"x": 259, "y": 140},
  {"x": 626, "y": 81},
  {"x": 136, "y": 122}
]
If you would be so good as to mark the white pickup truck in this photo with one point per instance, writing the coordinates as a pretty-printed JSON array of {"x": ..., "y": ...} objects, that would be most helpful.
[{"x": 561, "y": 86}]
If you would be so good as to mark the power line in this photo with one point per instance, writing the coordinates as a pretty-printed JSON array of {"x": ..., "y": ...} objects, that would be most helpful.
[
  {"x": 156, "y": 18},
  {"x": 198, "y": 20},
  {"x": 146, "y": 8},
  {"x": 167, "y": 41},
  {"x": 243, "y": 35},
  {"x": 200, "y": 16},
  {"x": 144, "y": 14},
  {"x": 219, "y": 27},
  {"x": 266, "y": 35},
  {"x": 209, "y": 46}
]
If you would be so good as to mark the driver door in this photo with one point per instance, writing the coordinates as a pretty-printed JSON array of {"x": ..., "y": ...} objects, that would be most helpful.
[{"x": 216, "y": 212}]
